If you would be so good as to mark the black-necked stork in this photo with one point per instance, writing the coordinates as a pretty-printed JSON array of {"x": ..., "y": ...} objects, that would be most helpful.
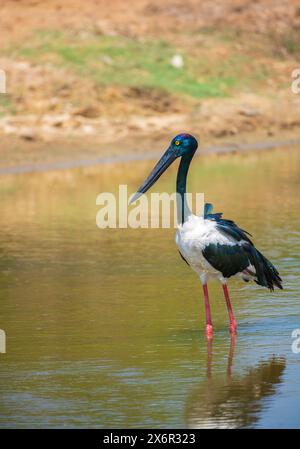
[{"x": 212, "y": 246}]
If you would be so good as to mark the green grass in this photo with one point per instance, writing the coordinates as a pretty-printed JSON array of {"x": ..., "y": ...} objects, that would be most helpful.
[
  {"x": 291, "y": 42},
  {"x": 132, "y": 63},
  {"x": 117, "y": 60},
  {"x": 285, "y": 44},
  {"x": 6, "y": 105}
]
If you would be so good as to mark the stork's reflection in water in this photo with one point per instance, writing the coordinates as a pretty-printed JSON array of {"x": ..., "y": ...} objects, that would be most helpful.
[{"x": 237, "y": 400}]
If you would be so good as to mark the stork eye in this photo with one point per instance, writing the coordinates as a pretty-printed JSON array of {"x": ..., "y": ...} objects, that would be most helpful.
[{"x": 177, "y": 142}]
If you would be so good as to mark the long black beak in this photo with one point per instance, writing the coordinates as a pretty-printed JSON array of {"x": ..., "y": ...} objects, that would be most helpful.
[{"x": 165, "y": 161}]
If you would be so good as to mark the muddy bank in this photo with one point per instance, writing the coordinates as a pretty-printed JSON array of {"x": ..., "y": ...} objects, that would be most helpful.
[
  {"x": 248, "y": 118},
  {"x": 117, "y": 157}
]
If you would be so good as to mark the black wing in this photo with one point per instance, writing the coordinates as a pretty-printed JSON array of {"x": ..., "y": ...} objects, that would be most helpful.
[{"x": 233, "y": 259}]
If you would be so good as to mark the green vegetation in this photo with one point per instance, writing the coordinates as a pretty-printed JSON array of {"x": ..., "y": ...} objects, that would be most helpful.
[
  {"x": 291, "y": 42},
  {"x": 127, "y": 62},
  {"x": 6, "y": 105}
]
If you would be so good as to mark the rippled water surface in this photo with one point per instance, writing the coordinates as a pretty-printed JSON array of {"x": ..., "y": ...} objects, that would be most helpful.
[{"x": 105, "y": 328}]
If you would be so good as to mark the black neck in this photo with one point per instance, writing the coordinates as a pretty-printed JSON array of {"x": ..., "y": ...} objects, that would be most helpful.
[{"x": 181, "y": 186}]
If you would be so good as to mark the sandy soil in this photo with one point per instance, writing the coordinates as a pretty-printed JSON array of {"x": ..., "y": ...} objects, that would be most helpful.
[{"x": 145, "y": 17}]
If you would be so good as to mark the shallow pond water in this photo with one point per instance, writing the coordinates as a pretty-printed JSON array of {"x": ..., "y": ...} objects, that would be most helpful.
[{"x": 105, "y": 328}]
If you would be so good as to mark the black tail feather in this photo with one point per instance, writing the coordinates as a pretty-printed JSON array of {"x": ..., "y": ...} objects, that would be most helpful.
[{"x": 266, "y": 273}]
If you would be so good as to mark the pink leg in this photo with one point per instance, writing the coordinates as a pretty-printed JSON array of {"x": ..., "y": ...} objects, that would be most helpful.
[
  {"x": 232, "y": 325},
  {"x": 209, "y": 327}
]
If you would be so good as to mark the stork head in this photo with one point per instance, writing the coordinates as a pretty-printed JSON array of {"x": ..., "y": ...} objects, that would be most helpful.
[{"x": 182, "y": 145}]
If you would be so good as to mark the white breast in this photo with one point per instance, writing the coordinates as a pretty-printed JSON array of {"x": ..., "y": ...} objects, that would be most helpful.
[{"x": 193, "y": 236}]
